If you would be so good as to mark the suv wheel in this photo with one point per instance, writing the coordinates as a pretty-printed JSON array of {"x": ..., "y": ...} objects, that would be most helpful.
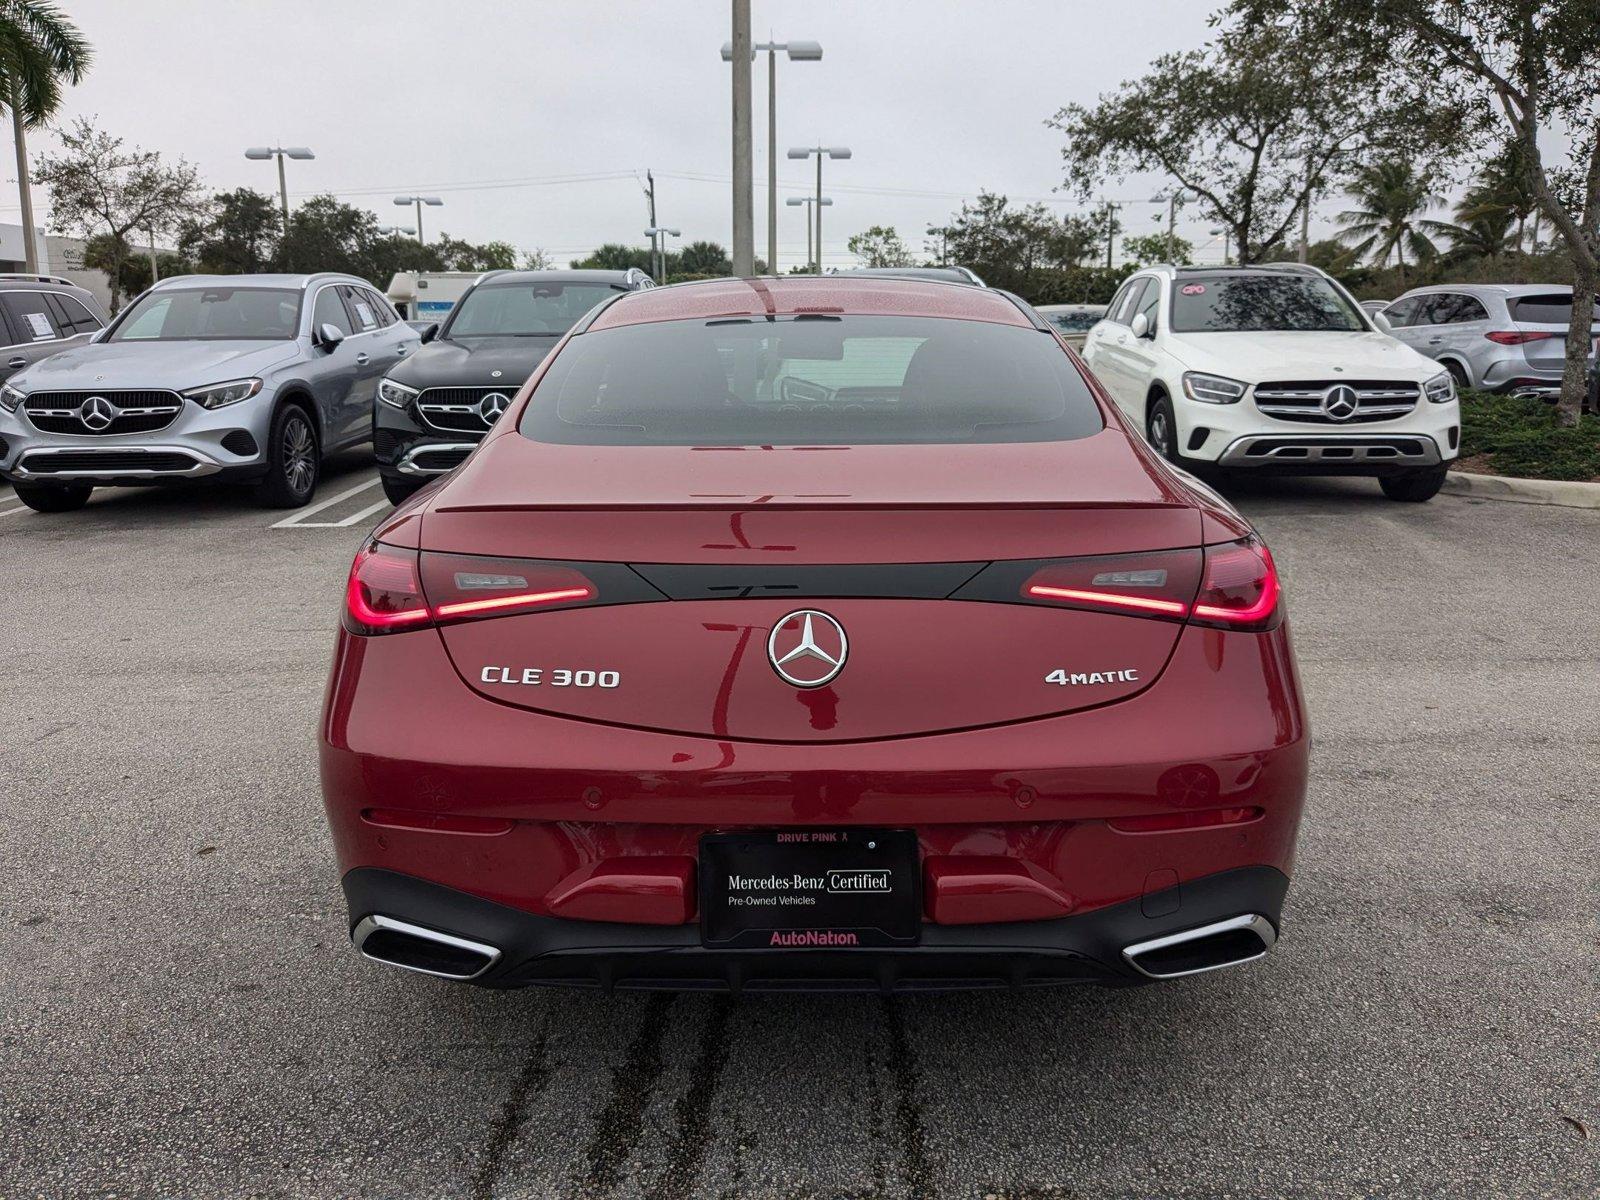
[
  {"x": 53, "y": 497},
  {"x": 1458, "y": 373},
  {"x": 400, "y": 490},
  {"x": 1414, "y": 486},
  {"x": 1161, "y": 430},
  {"x": 293, "y": 460}
]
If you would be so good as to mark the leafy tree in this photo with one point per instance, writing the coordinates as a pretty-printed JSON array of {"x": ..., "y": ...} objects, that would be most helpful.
[
  {"x": 457, "y": 255},
  {"x": 613, "y": 256},
  {"x": 98, "y": 187},
  {"x": 1155, "y": 248},
  {"x": 701, "y": 258},
  {"x": 1500, "y": 195},
  {"x": 1510, "y": 68},
  {"x": 536, "y": 260},
  {"x": 1005, "y": 245},
  {"x": 1392, "y": 196},
  {"x": 880, "y": 246},
  {"x": 39, "y": 49},
  {"x": 325, "y": 234},
  {"x": 1254, "y": 125},
  {"x": 236, "y": 233}
]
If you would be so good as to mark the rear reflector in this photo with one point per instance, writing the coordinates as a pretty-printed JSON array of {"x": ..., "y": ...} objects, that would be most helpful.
[
  {"x": 1518, "y": 337},
  {"x": 1168, "y": 822}
]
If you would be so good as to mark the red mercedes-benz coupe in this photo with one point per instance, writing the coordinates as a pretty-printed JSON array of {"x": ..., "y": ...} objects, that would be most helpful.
[{"x": 813, "y": 633}]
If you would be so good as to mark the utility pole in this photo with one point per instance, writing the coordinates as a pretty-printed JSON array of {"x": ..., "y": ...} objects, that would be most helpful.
[
  {"x": 819, "y": 213},
  {"x": 1305, "y": 225},
  {"x": 650, "y": 191},
  {"x": 772, "y": 159},
  {"x": 744, "y": 234},
  {"x": 1111, "y": 229},
  {"x": 155, "y": 271}
]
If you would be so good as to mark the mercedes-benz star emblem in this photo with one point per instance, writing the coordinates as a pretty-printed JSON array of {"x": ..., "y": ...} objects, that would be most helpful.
[
  {"x": 97, "y": 413},
  {"x": 492, "y": 405},
  {"x": 1339, "y": 403},
  {"x": 807, "y": 648}
]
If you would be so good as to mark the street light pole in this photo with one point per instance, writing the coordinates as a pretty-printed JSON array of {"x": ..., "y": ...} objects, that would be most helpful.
[
  {"x": 280, "y": 153},
  {"x": 419, "y": 201},
  {"x": 743, "y": 186},
  {"x": 802, "y": 201},
  {"x": 820, "y": 152},
  {"x": 797, "y": 52}
]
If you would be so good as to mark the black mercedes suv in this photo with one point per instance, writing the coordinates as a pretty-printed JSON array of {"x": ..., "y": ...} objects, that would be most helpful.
[{"x": 437, "y": 405}]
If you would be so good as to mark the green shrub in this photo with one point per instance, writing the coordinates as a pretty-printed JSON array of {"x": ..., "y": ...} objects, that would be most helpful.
[{"x": 1521, "y": 437}]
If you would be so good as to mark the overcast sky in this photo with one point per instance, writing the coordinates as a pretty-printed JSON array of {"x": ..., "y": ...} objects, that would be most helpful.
[{"x": 489, "y": 105}]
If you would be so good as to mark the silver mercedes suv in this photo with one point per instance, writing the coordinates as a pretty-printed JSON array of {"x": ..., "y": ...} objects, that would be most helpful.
[{"x": 242, "y": 378}]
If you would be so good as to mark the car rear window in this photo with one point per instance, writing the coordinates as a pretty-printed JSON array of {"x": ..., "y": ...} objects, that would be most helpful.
[
  {"x": 1554, "y": 308},
  {"x": 811, "y": 380}
]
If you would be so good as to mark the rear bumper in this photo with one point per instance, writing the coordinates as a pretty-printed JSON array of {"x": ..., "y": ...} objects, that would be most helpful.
[{"x": 1087, "y": 948}]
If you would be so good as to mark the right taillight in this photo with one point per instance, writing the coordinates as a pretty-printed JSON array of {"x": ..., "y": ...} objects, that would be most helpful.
[
  {"x": 1517, "y": 337},
  {"x": 1239, "y": 588}
]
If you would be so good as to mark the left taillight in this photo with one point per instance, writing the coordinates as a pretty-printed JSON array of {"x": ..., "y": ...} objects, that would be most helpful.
[
  {"x": 1239, "y": 589},
  {"x": 384, "y": 594},
  {"x": 392, "y": 589}
]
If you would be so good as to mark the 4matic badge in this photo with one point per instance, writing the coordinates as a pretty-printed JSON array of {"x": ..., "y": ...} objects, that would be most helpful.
[{"x": 1087, "y": 678}]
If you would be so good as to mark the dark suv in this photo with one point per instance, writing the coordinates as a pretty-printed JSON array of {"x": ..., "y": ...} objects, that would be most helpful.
[
  {"x": 41, "y": 315},
  {"x": 436, "y": 406}
]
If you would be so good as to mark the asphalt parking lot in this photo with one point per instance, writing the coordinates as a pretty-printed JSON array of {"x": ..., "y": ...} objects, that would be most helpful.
[{"x": 182, "y": 1014}]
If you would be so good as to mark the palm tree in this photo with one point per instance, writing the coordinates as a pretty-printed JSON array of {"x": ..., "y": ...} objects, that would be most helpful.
[
  {"x": 1393, "y": 198},
  {"x": 39, "y": 48},
  {"x": 1502, "y": 191}
]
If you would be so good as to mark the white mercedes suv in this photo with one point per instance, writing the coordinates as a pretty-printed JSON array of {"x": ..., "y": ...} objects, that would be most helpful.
[{"x": 1274, "y": 368}]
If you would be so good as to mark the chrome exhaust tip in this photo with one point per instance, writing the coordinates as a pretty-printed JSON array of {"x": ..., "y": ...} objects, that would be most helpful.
[
  {"x": 426, "y": 951},
  {"x": 1207, "y": 948}
]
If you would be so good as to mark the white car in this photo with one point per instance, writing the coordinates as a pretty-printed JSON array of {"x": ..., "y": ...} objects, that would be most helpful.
[{"x": 1276, "y": 369}]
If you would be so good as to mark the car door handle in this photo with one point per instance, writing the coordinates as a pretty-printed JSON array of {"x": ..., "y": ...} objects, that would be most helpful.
[
  {"x": 362, "y": 359},
  {"x": 1435, "y": 341},
  {"x": 400, "y": 351},
  {"x": 17, "y": 363}
]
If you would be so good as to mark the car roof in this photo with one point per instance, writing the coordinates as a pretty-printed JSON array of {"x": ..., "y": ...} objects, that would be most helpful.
[
  {"x": 1494, "y": 289},
  {"x": 1046, "y": 308},
  {"x": 949, "y": 274},
  {"x": 10, "y": 280},
  {"x": 623, "y": 278},
  {"x": 796, "y": 295},
  {"x": 262, "y": 281}
]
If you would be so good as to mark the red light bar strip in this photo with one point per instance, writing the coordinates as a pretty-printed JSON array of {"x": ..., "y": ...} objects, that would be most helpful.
[
  {"x": 1172, "y": 608},
  {"x": 460, "y": 608}
]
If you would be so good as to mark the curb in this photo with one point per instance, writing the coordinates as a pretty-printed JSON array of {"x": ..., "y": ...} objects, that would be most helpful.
[{"x": 1562, "y": 493}]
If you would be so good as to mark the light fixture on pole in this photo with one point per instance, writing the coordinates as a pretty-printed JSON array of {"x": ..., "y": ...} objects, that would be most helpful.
[
  {"x": 821, "y": 152},
  {"x": 798, "y": 201},
  {"x": 397, "y": 230},
  {"x": 260, "y": 153},
  {"x": 658, "y": 235},
  {"x": 797, "y": 52},
  {"x": 1224, "y": 234},
  {"x": 419, "y": 201}
]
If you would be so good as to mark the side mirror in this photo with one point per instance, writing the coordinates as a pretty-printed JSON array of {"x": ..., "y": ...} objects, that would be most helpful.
[
  {"x": 1141, "y": 326},
  {"x": 329, "y": 336},
  {"x": 99, "y": 335},
  {"x": 431, "y": 332},
  {"x": 1382, "y": 322}
]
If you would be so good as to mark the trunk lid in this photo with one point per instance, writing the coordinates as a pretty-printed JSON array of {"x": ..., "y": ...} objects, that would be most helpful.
[{"x": 725, "y": 545}]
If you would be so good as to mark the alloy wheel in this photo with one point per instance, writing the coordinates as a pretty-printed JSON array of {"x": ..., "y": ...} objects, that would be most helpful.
[{"x": 299, "y": 454}]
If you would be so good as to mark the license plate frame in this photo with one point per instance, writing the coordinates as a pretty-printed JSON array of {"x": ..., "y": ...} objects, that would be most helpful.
[{"x": 810, "y": 889}]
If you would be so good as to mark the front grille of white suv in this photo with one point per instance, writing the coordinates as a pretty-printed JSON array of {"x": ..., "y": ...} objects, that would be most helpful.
[{"x": 1305, "y": 400}]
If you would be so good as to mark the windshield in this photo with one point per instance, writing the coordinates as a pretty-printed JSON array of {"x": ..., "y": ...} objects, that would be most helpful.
[
  {"x": 1260, "y": 303},
  {"x": 811, "y": 380},
  {"x": 524, "y": 309},
  {"x": 211, "y": 315}
]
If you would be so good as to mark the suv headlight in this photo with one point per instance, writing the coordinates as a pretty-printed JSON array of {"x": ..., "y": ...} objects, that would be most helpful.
[
  {"x": 396, "y": 395},
  {"x": 1441, "y": 389},
  {"x": 220, "y": 395},
  {"x": 10, "y": 398},
  {"x": 1213, "y": 389}
]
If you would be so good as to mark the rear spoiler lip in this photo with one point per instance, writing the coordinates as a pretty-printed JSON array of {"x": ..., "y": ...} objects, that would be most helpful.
[{"x": 731, "y": 504}]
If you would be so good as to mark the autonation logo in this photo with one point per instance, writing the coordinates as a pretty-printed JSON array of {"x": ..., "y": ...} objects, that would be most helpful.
[
  {"x": 870, "y": 880},
  {"x": 813, "y": 937}
]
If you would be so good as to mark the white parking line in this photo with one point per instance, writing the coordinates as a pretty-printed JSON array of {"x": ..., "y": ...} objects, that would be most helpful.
[
  {"x": 365, "y": 512},
  {"x": 9, "y": 512},
  {"x": 298, "y": 520}
]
